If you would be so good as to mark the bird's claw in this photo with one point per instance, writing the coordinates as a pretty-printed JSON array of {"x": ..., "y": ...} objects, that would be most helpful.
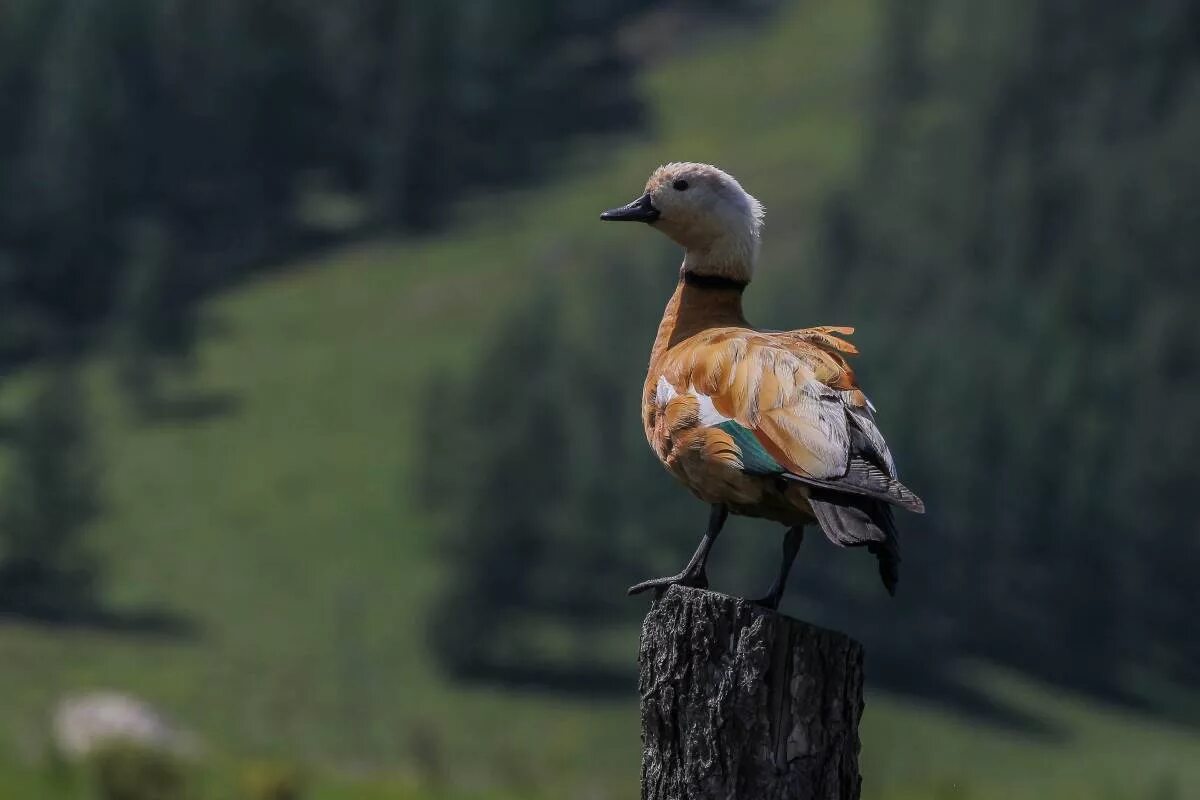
[{"x": 697, "y": 581}]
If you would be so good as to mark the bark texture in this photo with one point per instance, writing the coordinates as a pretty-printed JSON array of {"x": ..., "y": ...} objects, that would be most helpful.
[{"x": 741, "y": 703}]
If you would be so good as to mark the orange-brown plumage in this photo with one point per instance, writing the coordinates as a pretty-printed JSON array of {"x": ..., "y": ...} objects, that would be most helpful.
[{"x": 756, "y": 378}]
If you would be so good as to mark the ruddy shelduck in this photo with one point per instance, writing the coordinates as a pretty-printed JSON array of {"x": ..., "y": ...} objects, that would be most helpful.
[{"x": 767, "y": 424}]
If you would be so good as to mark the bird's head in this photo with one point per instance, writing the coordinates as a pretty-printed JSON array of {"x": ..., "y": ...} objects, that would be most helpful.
[{"x": 704, "y": 210}]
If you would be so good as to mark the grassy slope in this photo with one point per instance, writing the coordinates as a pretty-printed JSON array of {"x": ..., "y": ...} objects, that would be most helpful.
[{"x": 284, "y": 528}]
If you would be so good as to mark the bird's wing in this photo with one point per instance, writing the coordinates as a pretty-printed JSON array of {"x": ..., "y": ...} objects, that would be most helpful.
[{"x": 790, "y": 403}]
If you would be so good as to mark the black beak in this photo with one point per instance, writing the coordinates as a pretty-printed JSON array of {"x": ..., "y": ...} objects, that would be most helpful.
[{"x": 640, "y": 210}]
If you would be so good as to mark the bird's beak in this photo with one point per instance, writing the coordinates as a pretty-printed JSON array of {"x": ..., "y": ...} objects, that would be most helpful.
[{"x": 640, "y": 210}]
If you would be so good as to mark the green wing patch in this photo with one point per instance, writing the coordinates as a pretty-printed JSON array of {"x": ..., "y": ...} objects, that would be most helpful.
[{"x": 755, "y": 459}]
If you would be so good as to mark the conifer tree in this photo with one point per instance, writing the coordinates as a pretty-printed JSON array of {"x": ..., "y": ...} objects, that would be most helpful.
[{"x": 48, "y": 497}]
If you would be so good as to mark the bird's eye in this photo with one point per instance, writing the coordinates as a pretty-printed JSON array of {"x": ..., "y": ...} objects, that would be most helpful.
[{"x": 680, "y": 185}]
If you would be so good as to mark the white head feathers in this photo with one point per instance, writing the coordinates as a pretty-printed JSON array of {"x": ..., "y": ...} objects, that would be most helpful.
[{"x": 707, "y": 212}]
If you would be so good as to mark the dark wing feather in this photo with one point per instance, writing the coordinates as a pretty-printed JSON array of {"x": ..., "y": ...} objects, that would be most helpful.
[
  {"x": 866, "y": 479},
  {"x": 866, "y": 441},
  {"x": 856, "y": 521}
]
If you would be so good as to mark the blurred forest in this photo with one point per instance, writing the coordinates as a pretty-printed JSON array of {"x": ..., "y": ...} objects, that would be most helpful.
[
  {"x": 319, "y": 378},
  {"x": 1021, "y": 241}
]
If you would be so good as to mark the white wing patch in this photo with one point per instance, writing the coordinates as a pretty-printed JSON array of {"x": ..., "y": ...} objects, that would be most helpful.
[
  {"x": 709, "y": 416},
  {"x": 665, "y": 393}
]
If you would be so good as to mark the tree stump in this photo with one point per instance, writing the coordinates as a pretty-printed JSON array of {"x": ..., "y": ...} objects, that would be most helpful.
[{"x": 741, "y": 703}]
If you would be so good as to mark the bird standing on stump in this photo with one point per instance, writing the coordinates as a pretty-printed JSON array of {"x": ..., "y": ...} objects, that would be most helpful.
[{"x": 759, "y": 423}]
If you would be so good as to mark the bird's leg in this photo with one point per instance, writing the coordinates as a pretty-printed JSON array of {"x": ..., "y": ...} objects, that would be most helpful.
[
  {"x": 791, "y": 546},
  {"x": 695, "y": 573}
]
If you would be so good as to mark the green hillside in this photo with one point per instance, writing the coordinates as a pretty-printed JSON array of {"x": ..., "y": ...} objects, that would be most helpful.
[{"x": 279, "y": 526}]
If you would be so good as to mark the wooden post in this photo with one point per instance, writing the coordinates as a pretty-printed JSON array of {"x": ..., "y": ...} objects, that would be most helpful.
[{"x": 741, "y": 703}]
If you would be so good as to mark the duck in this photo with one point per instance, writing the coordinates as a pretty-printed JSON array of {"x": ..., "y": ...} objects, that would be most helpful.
[{"x": 754, "y": 422}]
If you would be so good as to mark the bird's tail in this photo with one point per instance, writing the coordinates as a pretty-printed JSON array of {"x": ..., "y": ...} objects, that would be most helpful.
[{"x": 855, "y": 521}]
